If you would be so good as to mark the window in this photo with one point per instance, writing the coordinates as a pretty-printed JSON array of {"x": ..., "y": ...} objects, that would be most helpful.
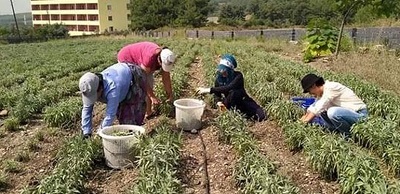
[
  {"x": 54, "y": 7},
  {"x": 46, "y": 17},
  {"x": 82, "y": 28},
  {"x": 55, "y": 17},
  {"x": 71, "y": 27},
  {"x": 111, "y": 29},
  {"x": 109, "y": 18},
  {"x": 109, "y": 7},
  {"x": 91, "y": 6},
  {"x": 35, "y": 7},
  {"x": 68, "y": 17},
  {"x": 128, "y": 6},
  {"x": 67, "y": 6},
  {"x": 128, "y": 17},
  {"x": 81, "y": 17},
  {"x": 44, "y": 7},
  {"x": 93, "y": 17},
  {"x": 80, "y": 6},
  {"x": 93, "y": 28},
  {"x": 37, "y": 17}
]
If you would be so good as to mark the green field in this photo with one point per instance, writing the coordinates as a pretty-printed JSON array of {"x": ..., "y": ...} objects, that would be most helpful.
[{"x": 39, "y": 90}]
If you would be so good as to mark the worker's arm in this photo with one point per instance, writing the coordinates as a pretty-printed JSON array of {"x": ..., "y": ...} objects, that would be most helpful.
[
  {"x": 308, "y": 117},
  {"x": 111, "y": 110},
  {"x": 166, "y": 79},
  {"x": 87, "y": 119},
  {"x": 149, "y": 88}
]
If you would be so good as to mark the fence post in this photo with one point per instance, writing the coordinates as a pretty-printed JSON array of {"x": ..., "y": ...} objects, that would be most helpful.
[
  {"x": 354, "y": 35},
  {"x": 212, "y": 34},
  {"x": 293, "y": 36},
  {"x": 262, "y": 33},
  {"x": 197, "y": 34},
  {"x": 232, "y": 34}
]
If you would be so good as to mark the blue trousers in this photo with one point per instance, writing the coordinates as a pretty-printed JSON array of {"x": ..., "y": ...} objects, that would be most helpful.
[{"x": 338, "y": 119}]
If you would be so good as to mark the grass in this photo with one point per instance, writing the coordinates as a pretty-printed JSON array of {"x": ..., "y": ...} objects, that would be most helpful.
[
  {"x": 52, "y": 131},
  {"x": 11, "y": 124},
  {"x": 2, "y": 132},
  {"x": 370, "y": 64},
  {"x": 33, "y": 145},
  {"x": 12, "y": 166},
  {"x": 39, "y": 136},
  {"x": 3, "y": 180},
  {"x": 22, "y": 156}
]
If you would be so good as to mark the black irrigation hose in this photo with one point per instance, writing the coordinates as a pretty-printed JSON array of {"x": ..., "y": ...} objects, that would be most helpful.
[{"x": 207, "y": 179}]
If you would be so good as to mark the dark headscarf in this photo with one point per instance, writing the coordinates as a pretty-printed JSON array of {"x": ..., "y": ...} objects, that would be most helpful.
[{"x": 227, "y": 64}]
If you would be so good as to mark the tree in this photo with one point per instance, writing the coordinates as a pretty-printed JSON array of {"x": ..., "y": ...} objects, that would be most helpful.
[
  {"x": 193, "y": 13},
  {"x": 153, "y": 14},
  {"x": 345, "y": 7},
  {"x": 232, "y": 14}
]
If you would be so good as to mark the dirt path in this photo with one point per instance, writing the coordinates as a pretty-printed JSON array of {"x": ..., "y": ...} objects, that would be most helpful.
[
  {"x": 292, "y": 165},
  {"x": 33, "y": 148},
  {"x": 220, "y": 157}
]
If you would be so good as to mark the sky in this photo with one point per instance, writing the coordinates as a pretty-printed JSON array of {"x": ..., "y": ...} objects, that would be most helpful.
[{"x": 20, "y": 6}]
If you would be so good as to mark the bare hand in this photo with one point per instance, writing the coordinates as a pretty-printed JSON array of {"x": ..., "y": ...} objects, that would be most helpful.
[{"x": 154, "y": 100}]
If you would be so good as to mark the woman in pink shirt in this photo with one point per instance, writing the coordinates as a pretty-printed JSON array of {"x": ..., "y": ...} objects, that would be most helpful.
[{"x": 150, "y": 57}]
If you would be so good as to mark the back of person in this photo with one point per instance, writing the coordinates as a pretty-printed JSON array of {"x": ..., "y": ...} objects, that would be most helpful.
[
  {"x": 236, "y": 84},
  {"x": 141, "y": 53},
  {"x": 346, "y": 98},
  {"x": 118, "y": 78}
]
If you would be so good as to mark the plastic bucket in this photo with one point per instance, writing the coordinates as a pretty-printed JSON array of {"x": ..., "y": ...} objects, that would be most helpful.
[
  {"x": 118, "y": 149},
  {"x": 188, "y": 113},
  {"x": 304, "y": 102}
]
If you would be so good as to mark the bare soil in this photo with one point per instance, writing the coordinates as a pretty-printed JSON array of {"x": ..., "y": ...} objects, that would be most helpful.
[
  {"x": 41, "y": 154},
  {"x": 220, "y": 157},
  {"x": 292, "y": 165}
]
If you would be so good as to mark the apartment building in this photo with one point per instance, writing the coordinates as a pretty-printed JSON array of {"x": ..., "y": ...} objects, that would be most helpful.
[{"x": 82, "y": 16}]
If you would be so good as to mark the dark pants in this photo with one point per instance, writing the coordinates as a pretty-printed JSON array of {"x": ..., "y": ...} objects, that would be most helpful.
[{"x": 238, "y": 99}]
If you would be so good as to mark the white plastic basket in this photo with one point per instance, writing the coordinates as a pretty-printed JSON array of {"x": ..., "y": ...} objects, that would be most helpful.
[{"x": 118, "y": 149}]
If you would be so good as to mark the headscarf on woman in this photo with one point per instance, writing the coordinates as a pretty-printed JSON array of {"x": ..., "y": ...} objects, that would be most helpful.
[{"x": 225, "y": 69}]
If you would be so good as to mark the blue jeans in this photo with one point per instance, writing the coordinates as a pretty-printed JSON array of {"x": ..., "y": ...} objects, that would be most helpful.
[{"x": 338, "y": 119}]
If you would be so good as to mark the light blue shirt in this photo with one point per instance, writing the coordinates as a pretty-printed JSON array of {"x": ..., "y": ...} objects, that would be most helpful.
[{"x": 116, "y": 82}]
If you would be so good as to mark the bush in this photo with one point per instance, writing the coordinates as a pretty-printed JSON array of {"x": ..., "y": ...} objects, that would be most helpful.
[{"x": 321, "y": 40}]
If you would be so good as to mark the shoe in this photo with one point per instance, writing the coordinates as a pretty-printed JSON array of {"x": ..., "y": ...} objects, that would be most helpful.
[{"x": 87, "y": 136}]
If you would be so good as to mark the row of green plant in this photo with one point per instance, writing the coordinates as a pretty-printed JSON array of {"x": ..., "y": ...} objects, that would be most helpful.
[
  {"x": 73, "y": 161},
  {"x": 381, "y": 135},
  {"x": 159, "y": 155},
  {"x": 380, "y": 132},
  {"x": 254, "y": 173},
  {"x": 65, "y": 114},
  {"x": 271, "y": 81},
  {"x": 158, "y": 158},
  {"x": 41, "y": 79},
  {"x": 60, "y": 113},
  {"x": 333, "y": 157}
]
